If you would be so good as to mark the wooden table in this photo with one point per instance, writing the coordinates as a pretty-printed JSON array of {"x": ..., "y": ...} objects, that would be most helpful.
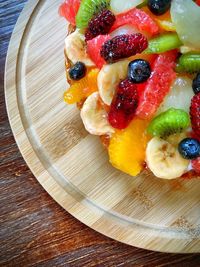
[{"x": 34, "y": 230}]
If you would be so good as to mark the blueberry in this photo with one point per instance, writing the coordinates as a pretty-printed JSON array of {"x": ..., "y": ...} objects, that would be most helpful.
[
  {"x": 77, "y": 71},
  {"x": 196, "y": 84},
  {"x": 139, "y": 71},
  {"x": 189, "y": 148},
  {"x": 159, "y": 7}
]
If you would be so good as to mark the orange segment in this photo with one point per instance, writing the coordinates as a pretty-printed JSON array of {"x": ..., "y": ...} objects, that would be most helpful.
[
  {"x": 127, "y": 147},
  {"x": 82, "y": 88}
]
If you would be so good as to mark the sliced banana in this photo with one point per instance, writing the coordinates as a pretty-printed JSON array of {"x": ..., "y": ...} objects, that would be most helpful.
[
  {"x": 109, "y": 77},
  {"x": 75, "y": 48},
  {"x": 94, "y": 116},
  {"x": 164, "y": 160}
]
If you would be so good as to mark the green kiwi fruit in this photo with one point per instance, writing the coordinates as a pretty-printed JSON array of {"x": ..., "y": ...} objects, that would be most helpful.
[
  {"x": 169, "y": 122},
  {"x": 189, "y": 62},
  {"x": 88, "y": 9},
  {"x": 143, "y": 4},
  {"x": 163, "y": 43}
]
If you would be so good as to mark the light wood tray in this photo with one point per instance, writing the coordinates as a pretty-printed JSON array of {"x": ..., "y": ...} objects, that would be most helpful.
[{"x": 71, "y": 164}]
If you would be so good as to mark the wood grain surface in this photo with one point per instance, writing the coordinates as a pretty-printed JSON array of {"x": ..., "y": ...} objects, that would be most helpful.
[{"x": 35, "y": 231}]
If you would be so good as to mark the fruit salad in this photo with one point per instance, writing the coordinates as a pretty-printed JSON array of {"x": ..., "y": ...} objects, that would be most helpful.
[{"x": 134, "y": 72}]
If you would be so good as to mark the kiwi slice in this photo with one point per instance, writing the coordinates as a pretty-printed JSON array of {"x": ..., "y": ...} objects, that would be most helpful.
[
  {"x": 189, "y": 62},
  {"x": 88, "y": 9},
  {"x": 179, "y": 68},
  {"x": 143, "y": 4},
  {"x": 163, "y": 43},
  {"x": 169, "y": 122}
]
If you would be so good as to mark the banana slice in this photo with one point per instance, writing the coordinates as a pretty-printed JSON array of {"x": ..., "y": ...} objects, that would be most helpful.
[
  {"x": 75, "y": 48},
  {"x": 94, "y": 116},
  {"x": 109, "y": 77},
  {"x": 164, "y": 160}
]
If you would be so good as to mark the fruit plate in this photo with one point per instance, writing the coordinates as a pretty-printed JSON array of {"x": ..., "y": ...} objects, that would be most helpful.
[{"x": 72, "y": 165}]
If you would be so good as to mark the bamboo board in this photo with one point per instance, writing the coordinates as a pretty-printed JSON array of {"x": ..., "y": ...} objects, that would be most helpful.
[{"x": 72, "y": 165}]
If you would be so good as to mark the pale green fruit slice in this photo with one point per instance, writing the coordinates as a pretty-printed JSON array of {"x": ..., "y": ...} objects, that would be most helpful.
[
  {"x": 185, "y": 15},
  {"x": 179, "y": 96},
  {"x": 118, "y": 6}
]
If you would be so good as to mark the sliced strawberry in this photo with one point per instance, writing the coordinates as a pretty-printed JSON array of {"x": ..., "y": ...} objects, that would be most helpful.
[
  {"x": 94, "y": 48},
  {"x": 158, "y": 85},
  {"x": 69, "y": 9},
  {"x": 139, "y": 19},
  {"x": 196, "y": 165}
]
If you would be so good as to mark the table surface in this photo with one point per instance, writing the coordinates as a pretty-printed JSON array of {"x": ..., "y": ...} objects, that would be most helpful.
[{"x": 34, "y": 230}]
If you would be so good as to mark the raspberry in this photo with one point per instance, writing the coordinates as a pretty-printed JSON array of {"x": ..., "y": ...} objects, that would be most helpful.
[
  {"x": 123, "y": 105},
  {"x": 195, "y": 114},
  {"x": 123, "y": 46},
  {"x": 100, "y": 24},
  {"x": 196, "y": 165}
]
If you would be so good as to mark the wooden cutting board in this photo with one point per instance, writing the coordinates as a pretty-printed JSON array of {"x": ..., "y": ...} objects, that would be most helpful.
[{"x": 72, "y": 165}]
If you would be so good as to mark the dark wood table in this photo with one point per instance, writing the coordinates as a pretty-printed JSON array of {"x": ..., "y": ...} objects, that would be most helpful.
[{"x": 34, "y": 230}]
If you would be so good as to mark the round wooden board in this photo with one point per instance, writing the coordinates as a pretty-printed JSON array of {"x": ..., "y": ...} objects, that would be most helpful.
[{"x": 71, "y": 165}]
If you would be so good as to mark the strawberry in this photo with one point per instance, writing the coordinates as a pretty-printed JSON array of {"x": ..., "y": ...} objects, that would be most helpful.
[
  {"x": 94, "y": 48},
  {"x": 153, "y": 92},
  {"x": 139, "y": 19},
  {"x": 69, "y": 9}
]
